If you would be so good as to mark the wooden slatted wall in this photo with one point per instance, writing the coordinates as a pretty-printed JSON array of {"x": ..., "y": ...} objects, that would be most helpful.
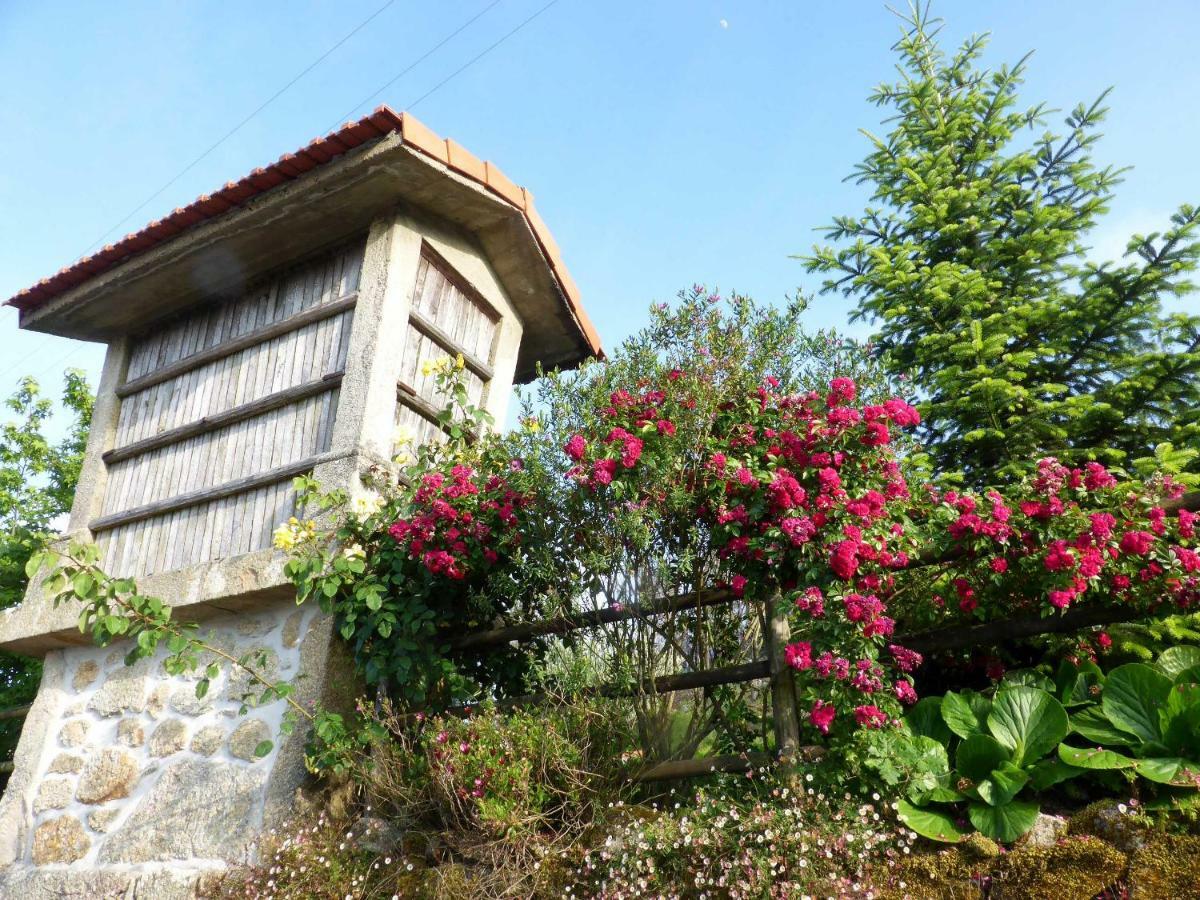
[
  {"x": 219, "y": 411},
  {"x": 447, "y": 318}
]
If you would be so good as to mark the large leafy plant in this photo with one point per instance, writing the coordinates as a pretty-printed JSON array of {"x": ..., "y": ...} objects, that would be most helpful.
[
  {"x": 1147, "y": 721},
  {"x": 1002, "y": 750}
]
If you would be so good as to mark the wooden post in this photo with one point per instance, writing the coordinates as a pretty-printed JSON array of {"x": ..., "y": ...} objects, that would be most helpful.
[{"x": 783, "y": 686}]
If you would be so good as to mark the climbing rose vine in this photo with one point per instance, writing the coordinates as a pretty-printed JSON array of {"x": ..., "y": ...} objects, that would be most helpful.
[
  {"x": 806, "y": 503},
  {"x": 806, "y": 508}
]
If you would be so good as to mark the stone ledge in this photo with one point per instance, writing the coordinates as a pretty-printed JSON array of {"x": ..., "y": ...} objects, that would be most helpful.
[
  {"x": 197, "y": 593},
  {"x": 103, "y": 884}
]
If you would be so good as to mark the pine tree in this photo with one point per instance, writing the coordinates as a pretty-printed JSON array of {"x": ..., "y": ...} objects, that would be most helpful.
[{"x": 972, "y": 261}]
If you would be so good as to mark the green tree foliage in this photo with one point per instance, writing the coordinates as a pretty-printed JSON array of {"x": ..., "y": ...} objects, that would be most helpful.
[
  {"x": 972, "y": 259},
  {"x": 37, "y": 483}
]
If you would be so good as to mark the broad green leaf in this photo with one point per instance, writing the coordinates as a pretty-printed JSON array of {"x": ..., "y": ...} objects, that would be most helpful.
[
  {"x": 1174, "y": 801},
  {"x": 1003, "y": 823},
  {"x": 930, "y": 823},
  {"x": 1174, "y": 660},
  {"x": 1133, "y": 695},
  {"x": 978, "y": 755},
  {"x": 1027, "y": 678},
  {"x": 1002, "y": 784},
  {"x": 1162, "y": 769},
  {"x": 1188, "y": 676},
  {"x": 1027, "y": 721},
  {"x": 1093, "y": 758},
  {"x": 1050, "y": 772},
  {"x": 1074, "y": 684},
  {"x": 83, "y": 584},
  {"x": 263, "y": 748},
  {"x": 965, "y": 713},
  {"x": 1181, "y": 719},
  {"x": 1092, "y": 724},
  {"x": 925, "y": 720},
  {"x": 34, "y": 563}
]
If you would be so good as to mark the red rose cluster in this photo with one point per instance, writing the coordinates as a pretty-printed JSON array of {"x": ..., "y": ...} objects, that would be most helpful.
[
  {"x": 460, "y": 523},
  {"x": 803, "y": 495},
  {"x": 1067, "y": 534}
]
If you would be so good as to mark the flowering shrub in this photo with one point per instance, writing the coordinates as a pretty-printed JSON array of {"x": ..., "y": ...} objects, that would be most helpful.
[
  {"x": 805, "y": 502},
  {"x": 747, "y": 840},
  {"x": 497, "y": 774},
  {"x": 1065, "y": 536},
  {"x": 436, "y": 554}
]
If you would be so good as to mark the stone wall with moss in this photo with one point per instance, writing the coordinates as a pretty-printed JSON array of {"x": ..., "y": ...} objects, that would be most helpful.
[{"x": 123, "y": 768}]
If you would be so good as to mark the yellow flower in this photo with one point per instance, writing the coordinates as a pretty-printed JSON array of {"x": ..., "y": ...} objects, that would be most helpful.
[
  {"x": 285, "y": 537},
  {"x": 459, "y": 362},
  {"x": 439, "y": 365},
  {"x": 366, "y": 506}
]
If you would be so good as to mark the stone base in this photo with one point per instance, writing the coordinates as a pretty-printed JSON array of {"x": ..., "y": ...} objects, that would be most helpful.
[
  {"x": 103, "y": 884},
  {"x": 128, "y": 785}
]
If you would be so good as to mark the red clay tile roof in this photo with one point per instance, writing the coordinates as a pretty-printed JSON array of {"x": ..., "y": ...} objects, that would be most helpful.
[{"x": 290, "y": 166}]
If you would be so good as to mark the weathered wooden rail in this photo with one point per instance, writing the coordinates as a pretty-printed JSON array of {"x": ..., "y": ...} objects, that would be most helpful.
[{"x": 773, "y": 667}]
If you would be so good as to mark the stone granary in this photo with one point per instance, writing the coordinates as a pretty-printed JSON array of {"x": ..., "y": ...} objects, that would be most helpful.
[{"x": 274, "y": 328}]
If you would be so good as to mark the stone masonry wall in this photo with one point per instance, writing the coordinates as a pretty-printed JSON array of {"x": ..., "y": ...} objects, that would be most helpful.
[{"x": 131, "y": 773}]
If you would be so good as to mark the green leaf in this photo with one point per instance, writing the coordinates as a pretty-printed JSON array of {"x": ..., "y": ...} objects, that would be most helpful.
[
  {"x": 1003, "y": 823},
  {"x": 1028, "y": 721},
  {"x": 34, "y": 563},
  {"x": 202, "y": 688},
  {"x": 1175, "y": 660},
  {"x": 1188, "y": 676},
  {"x": 83, "y": 584},
  {"x": 1093, "y": 758},
  {"x": 1092, "y": 724},
  {"x": 1161, "y": 769},
  {"x": 965, "y": 713},
  {"x": 1002, "y": 784},
  {"x": 925, "y": 720},
  {"x": 1074, "y": 683},
  {"x": 263, "y": 748},
  {"x": 1050, "y": 772},
  {"x": 930, "y": 823},
  {"x": 1133, "y": 695},
  {"x": 978, "y": 755},
  {"x": 1027, "y": 678}
]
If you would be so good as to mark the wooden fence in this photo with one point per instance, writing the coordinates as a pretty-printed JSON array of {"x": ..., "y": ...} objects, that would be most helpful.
[{"x": 773, "y": 667}]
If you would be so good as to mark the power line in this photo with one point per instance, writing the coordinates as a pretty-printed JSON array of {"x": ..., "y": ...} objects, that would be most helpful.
[
  {"x": 461, "y": 28},
  {"x": 238, "y": 127},
  {"x": 479, "y": 56},
  {"x": 420, "y": 99}
]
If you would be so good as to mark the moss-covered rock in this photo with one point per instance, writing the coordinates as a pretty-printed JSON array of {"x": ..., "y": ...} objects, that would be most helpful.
[
  {"x": 1078, "y": 868},
  {"x": 1114, "y": 823},
  {"x": 942, "y": 875},
  {"x": 1167, "y": 866}
]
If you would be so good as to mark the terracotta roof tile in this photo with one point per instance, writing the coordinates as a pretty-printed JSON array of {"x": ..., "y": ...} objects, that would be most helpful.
[
  {"x": 500, "y": 183},
  {"x": 290, "y": 166},
  {"x": 464, "y": 161}
]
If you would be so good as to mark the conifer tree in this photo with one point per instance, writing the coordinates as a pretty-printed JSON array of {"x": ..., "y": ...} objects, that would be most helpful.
[{"x": 972, "y": 260}]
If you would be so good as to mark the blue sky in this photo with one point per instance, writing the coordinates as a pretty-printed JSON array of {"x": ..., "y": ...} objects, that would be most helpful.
[{"x": 667, "y": 141}]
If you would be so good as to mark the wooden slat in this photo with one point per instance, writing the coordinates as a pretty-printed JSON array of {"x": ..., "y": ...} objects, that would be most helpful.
[
  {"x": 229, "y": 489},
  {"x": 16, "y": 712},
  {"x": 590, "y": 619},
  {"x": 663, "y": 684},
  {"x": 698, "y": 768},
  {"x": 258, "y": 336},
  {"x": 434, "y": 333},
  {"x": 222, "y": 419}
]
